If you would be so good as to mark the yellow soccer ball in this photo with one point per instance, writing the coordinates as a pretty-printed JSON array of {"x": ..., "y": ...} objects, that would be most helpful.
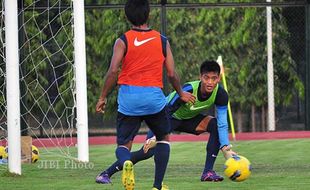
[
  {"x": 237, "y": 168},
  {"x": 3, "y": 153},
  {"x": 34, "y": 154}
]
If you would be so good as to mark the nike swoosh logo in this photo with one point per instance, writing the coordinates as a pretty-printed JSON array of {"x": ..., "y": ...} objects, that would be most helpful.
[
  {"x": 139, "y": 43},
  {"x": 196, "y": 108}
]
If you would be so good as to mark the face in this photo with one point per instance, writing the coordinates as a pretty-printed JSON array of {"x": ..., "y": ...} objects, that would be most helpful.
[{"x": 209, "y": 81}]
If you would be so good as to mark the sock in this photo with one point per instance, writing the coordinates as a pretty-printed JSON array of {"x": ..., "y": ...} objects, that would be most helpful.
[
  {"x": 139, "y": 155},
  {"x": 122, "y": 154},
  {"x": 115, "y": 167},
  {"x": 212, "y": 146},
  {"x": 136, "y": 157},
  {"x": 161, "y": 158}
]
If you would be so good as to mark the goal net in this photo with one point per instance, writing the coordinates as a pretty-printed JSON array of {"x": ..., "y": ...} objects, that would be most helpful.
[
  {"x": 47, "y": 76},
  {"x": 2, "y": 77}
]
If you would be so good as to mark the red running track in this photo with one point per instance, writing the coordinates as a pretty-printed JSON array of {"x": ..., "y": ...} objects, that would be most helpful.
[
  {"x": 177, "y": 138},
  {"x": 100, "y": 140}
]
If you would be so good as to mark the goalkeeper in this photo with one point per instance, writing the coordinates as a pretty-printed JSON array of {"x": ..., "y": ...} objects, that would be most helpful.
[{"x": 188, "y": 118}]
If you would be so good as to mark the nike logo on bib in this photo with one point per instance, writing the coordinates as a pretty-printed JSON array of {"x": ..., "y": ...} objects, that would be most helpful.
[
  {"x": 196, "y": 108},
  {"x": 139, "y": 43}
]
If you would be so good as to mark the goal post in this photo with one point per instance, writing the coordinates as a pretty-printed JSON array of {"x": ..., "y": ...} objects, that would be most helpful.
[
  {"x": 81, "y": 90},
  {"x": 12, "y": 86},
  {"x": 270, "y": 72},
  {"x": 53, "y": 75}
]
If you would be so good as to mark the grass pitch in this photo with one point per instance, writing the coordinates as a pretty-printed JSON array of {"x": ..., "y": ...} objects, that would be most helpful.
[{"x": 277, "y": 165}]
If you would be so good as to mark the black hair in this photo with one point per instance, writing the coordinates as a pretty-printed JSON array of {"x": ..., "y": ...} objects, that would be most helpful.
[
  {"x": 210, "y": 66},
  {"x": 137, "y": 11}
]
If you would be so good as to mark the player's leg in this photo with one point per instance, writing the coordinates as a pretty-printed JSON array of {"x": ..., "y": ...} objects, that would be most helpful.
[
  {"x": 213, "y": 147},
  {"x": 136, "y": 156},
  {"x": 104, "y": 177},
  {"x": 146, "y": 151},
  {"x": 127, "y": 128},
  {"x": 196, "y": 126},
  {"x": 160, "y": 126},
  {"x": 148, "y": 148}
]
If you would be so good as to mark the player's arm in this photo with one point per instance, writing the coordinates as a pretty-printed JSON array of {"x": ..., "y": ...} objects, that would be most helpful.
[
  {"x": 221, "y": 103},
  {"x": 222, "y": 125},
  {"x": 174, "y": 78},
  {"x": 174, "y": 100},
  {"x": 111, "y": 76}
]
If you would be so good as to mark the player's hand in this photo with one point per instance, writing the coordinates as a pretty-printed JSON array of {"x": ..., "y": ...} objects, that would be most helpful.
[
  {"x": 100, "y": 106},
  {"x": 149, "y": 143},
  {"x": 187, "y": 97},
  {"x": 228, "y": 152}
]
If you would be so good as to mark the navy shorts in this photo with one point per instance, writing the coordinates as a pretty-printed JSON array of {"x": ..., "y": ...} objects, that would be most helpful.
[
  {"x": 196, "y": 125},
  {"x": 128, "y": 126}
]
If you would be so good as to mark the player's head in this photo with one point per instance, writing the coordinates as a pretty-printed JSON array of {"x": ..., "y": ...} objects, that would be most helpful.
[
  {"x": 210, "y": 66},
  {"x": 137, "y": 11},
  {"x": 209, "y": 75}
]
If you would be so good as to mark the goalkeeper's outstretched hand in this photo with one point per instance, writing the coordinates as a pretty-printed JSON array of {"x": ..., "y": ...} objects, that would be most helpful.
[
  {"x": 227, "y": 152},
  {"x": 149, "y": 143}
]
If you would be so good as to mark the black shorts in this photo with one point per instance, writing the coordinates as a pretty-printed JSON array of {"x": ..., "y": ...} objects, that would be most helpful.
[
  {"x": 128, "y": 126},
  {"x": 195, "y": 125}
]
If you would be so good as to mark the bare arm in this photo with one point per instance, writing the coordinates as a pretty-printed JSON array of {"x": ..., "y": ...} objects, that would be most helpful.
[
  {"x": 174, "y": 78},
  {"x": 111, "y": 76}
]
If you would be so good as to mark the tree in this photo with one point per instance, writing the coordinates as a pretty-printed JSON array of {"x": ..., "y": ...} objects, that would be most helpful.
[{"x": 239, "y": 35}]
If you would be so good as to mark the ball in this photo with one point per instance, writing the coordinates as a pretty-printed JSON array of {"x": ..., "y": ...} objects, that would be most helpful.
[
  {"x": 237, "y": 168},
  {"x": 34, "y": 154},
  {"x": 3, "y": 153}
]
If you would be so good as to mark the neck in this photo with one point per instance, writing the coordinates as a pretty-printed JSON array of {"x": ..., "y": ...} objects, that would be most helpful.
[
  {"x": 203, "y": 93},
  {"x": 141, "y": 27}
]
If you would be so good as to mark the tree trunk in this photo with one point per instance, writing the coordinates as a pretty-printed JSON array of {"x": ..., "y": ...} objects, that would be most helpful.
[
  {"x": 253, "y": 118},
  {"x": 239, "y": 120}
]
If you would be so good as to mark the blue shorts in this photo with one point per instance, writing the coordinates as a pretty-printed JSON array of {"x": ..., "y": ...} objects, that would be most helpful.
[
  {"x": 128, "y": 126},
  {"x": 140, "y": 100}
]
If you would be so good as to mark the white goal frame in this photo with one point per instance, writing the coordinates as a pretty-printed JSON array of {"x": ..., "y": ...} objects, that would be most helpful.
[{"x": 13, "y": 87}]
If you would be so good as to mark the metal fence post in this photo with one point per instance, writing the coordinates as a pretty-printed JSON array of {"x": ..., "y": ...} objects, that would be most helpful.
[{"x": 307, "y": 85}]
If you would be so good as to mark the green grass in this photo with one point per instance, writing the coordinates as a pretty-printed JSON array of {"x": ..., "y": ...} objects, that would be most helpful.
[{"x": 277, "y": 164}]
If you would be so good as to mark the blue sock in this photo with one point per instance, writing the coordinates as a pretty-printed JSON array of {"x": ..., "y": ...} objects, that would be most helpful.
[
  {"x": 115, "y": 167},
  {"x": 139, "y": 155},
  {"x": 212, "y": 146},
  {"x": 136, "y": 157},
  {"x": 161, "y": 158},
  {"x": 122, "y": 154}
]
